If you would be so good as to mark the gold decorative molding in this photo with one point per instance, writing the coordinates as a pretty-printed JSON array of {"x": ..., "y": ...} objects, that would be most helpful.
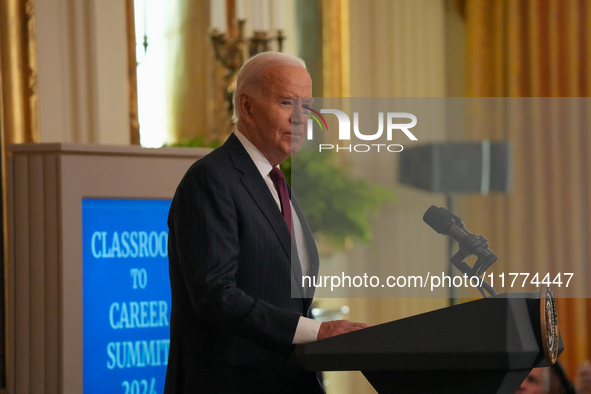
[
  {"x": 335, "y": 48},
  {"x": 19, "y": 123},
  {"x": 134, "y": 124},
  {"x": 18, "y": 72},
  {"x": 336, "y": 70},
  {"x": 32, "y": 71}
]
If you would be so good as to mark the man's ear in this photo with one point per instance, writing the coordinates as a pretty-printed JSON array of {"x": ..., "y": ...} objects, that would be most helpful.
[{"x": 244, "y": 105}]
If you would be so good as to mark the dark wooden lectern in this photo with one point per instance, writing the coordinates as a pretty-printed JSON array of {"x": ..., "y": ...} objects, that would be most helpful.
[{"x": 483, "y": 346}]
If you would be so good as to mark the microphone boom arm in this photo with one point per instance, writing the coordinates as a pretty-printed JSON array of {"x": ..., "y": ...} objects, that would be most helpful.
[
  {"x": 444, "y": 222},
  {"x": 458, "y": 261}
]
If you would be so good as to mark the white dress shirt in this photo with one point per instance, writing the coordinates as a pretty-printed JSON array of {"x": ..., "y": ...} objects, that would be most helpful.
[{"x": 307, "y": 329}]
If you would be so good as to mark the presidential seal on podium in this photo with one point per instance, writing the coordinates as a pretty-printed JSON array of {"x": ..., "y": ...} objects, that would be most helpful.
[{"x": 549, "y": 323}]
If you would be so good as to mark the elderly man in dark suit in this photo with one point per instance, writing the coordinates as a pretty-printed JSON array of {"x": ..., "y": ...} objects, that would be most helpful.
[{"x": 233, "y": 226}]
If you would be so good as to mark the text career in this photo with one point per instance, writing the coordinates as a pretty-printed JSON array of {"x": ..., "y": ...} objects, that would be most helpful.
[
  {"x": 142, "y": 314},
  {"x": 128, "y": 244}
]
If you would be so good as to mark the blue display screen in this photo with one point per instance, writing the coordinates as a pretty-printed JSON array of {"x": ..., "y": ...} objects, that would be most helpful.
[{"x": 126, "y": 295}]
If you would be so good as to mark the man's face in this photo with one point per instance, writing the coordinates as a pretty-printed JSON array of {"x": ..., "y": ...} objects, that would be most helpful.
[
  {"x": 269, "y": 122},
  {"x": 534, "y": 383}
]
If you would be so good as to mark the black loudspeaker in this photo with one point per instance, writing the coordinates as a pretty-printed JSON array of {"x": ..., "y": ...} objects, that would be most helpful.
[{"x": 458, "y": 167}]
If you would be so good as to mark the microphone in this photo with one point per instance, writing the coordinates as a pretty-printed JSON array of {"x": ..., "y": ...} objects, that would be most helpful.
[
  {"x": 446, "y": 223},
  {"x": 456, "y": 219}
]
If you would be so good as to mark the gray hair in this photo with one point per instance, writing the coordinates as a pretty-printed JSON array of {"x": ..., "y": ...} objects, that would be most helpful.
[{"x": 253, "y": 70}]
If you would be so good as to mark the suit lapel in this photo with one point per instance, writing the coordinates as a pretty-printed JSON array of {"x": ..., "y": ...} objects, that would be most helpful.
[
  {"x": 312, "y": 249},
  {"x": 258, "y": 189},
  {"x": 310, "y": 241}
]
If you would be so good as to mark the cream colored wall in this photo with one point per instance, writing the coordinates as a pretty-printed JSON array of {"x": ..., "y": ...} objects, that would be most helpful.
[
  {"x": 82, "y": 71},
  {"x": 111, "y": 71}
]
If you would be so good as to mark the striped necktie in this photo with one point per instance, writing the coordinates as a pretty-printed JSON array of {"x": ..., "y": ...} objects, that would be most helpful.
[{"x": 281, "y": 186}]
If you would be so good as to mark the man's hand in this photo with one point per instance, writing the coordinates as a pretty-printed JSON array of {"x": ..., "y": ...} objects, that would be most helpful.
[{"x": 337, "y": 327}]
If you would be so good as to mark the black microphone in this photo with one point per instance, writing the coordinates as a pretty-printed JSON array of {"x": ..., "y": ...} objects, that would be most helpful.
[
  {"x": 446, "y": 223},
  {"x": 456, "y": 219}
]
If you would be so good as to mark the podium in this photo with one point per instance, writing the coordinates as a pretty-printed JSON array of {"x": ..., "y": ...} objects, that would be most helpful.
[
  {"x": 483, "y": 346},
  {"x": 48, "y": 186}
]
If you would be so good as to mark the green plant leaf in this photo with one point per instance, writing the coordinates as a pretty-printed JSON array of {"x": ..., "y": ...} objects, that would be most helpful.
[{"x": 335, "y": 204}]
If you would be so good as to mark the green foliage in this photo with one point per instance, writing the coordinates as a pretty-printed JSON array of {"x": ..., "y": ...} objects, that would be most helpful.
[
  {"x": 286, "y": 170},
  {"x": 335, "y": 204}
]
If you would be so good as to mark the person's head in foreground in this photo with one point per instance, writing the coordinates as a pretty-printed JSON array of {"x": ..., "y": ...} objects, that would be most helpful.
[{"x": 535, "y": 383}]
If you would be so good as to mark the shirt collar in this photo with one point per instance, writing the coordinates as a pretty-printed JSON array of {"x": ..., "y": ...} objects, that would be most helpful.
[{"x": 257, "y": 157}]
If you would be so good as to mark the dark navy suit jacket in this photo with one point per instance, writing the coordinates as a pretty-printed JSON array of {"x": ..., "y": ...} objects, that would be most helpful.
[{"x": 230, "y": 270}]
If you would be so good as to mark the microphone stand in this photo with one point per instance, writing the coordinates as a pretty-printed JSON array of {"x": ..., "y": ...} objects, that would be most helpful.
[
  {"x": 451, "y": 207},
  {"x": 458, "y": 261}
]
